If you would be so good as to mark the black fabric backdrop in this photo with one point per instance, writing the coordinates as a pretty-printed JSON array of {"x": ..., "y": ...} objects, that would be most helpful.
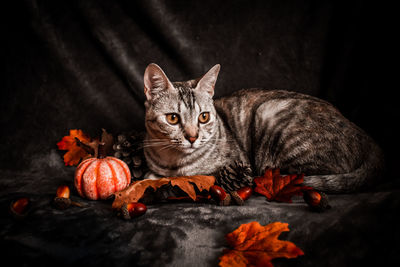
[{"x": 79, "y": 65}]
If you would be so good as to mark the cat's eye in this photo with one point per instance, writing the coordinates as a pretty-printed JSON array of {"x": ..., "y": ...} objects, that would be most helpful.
[
  {"x": 172, "y": 118},
  {"x": 204, "y": 117}
]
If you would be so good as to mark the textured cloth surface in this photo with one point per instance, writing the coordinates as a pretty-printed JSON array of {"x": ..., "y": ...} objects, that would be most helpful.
[
  {"x": 359, "y": 229},
  {"x": 80, "y": 64}
]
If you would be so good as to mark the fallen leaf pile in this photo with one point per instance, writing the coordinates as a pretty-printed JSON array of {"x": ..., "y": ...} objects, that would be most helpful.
[
  {"x": 255, "y": 245},
  {"x": 136, "y": 191},
  {"x": 272, "y": 184},
  {"x": 280, "y": 188}
]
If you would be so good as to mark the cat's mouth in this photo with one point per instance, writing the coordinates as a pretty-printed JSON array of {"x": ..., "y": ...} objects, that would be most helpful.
[
  {"x": 179, "y": 145},
  {"x": 189, "y": 148}
]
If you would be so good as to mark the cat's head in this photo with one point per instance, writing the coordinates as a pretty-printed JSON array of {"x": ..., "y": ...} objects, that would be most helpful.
[{"x": 179, "y": 115}]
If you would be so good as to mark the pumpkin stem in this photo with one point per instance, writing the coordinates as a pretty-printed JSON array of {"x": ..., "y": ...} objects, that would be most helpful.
[{"x": 100, "y": 153}]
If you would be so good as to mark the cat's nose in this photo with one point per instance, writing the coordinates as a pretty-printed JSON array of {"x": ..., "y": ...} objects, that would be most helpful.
[
  {"x": 191, "y": 133},
  {"x": 192, "y": 139}
]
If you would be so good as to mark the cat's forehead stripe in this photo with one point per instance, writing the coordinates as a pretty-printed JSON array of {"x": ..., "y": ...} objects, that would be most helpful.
[
  {"x": 186, "y": 95},
  {"x": 192, "y": 97}
]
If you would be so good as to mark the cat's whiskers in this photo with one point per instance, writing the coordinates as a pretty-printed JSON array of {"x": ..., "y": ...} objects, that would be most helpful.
[
  {"x": 158, "y": 143},
  {"x": 161, "y": 140},
  {"x": 155, "y": 144},
  {"x": 162, "y": 144},
  {"x": 166, "y": 147}
]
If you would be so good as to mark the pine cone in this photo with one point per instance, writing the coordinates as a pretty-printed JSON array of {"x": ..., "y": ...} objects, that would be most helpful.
[
  {"x": 129, "y": 148},
  {"x": 235, "y": 176}
]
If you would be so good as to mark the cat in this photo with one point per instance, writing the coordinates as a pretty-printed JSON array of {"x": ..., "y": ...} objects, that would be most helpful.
[{"x": 189, "y": 133}]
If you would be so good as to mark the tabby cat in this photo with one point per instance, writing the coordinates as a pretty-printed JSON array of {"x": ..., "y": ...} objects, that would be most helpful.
[{"x": 189, "y": 133}]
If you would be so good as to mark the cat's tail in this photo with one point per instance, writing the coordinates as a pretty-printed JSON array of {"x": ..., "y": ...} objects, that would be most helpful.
[{"x": 365, "y": 176}]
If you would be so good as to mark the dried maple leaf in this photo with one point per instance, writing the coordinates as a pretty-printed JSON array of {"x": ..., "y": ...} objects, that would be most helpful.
[
  {"x": 255, "y": 245},
  {"x": 280, "y": 188},
  {"x": 75, "y": 153},
  {"x": 135, "y": 191},
  {"x": 108, "y": 141}
]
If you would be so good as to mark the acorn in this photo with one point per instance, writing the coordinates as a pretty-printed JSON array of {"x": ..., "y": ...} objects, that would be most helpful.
[
  {"x": 241, "y": 195},
  {"x": 220, "y": 196},
  {"x": 62, "y": 200},
  {"x": 317, "y": 201},
  {"x": 132, "y": 210},
  {"x": 20, "y": 207}
]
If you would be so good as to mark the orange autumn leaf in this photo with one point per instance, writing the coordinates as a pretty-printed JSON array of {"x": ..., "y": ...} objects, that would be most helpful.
[
  {"x": 75, "y": 153},
  {"x": 255, "y": 245},
  {"x": 280, "y": 188},
  {"x": 136, "y": 191}
]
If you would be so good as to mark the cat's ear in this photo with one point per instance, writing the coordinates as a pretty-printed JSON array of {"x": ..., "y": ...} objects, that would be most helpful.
[
  {"x": 155, "y": 81},
  {"x": 207, "y": 82}
]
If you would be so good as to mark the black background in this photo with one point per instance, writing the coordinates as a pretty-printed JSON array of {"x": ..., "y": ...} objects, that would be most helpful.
[{"x": 80, "y": 64}]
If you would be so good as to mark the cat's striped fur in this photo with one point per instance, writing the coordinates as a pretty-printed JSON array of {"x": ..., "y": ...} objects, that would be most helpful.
[{"x": 295, "y": 132}]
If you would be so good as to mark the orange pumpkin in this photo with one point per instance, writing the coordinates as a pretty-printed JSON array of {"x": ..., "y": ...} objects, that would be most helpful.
[{"x": 99, "y": 178}]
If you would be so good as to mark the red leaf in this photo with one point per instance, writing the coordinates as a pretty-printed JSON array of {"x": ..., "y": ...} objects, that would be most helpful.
[
  {"x": 280, "y": 188},
  {"x": 256, "y": 245},
  {"x": 75, "y": 153}
]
